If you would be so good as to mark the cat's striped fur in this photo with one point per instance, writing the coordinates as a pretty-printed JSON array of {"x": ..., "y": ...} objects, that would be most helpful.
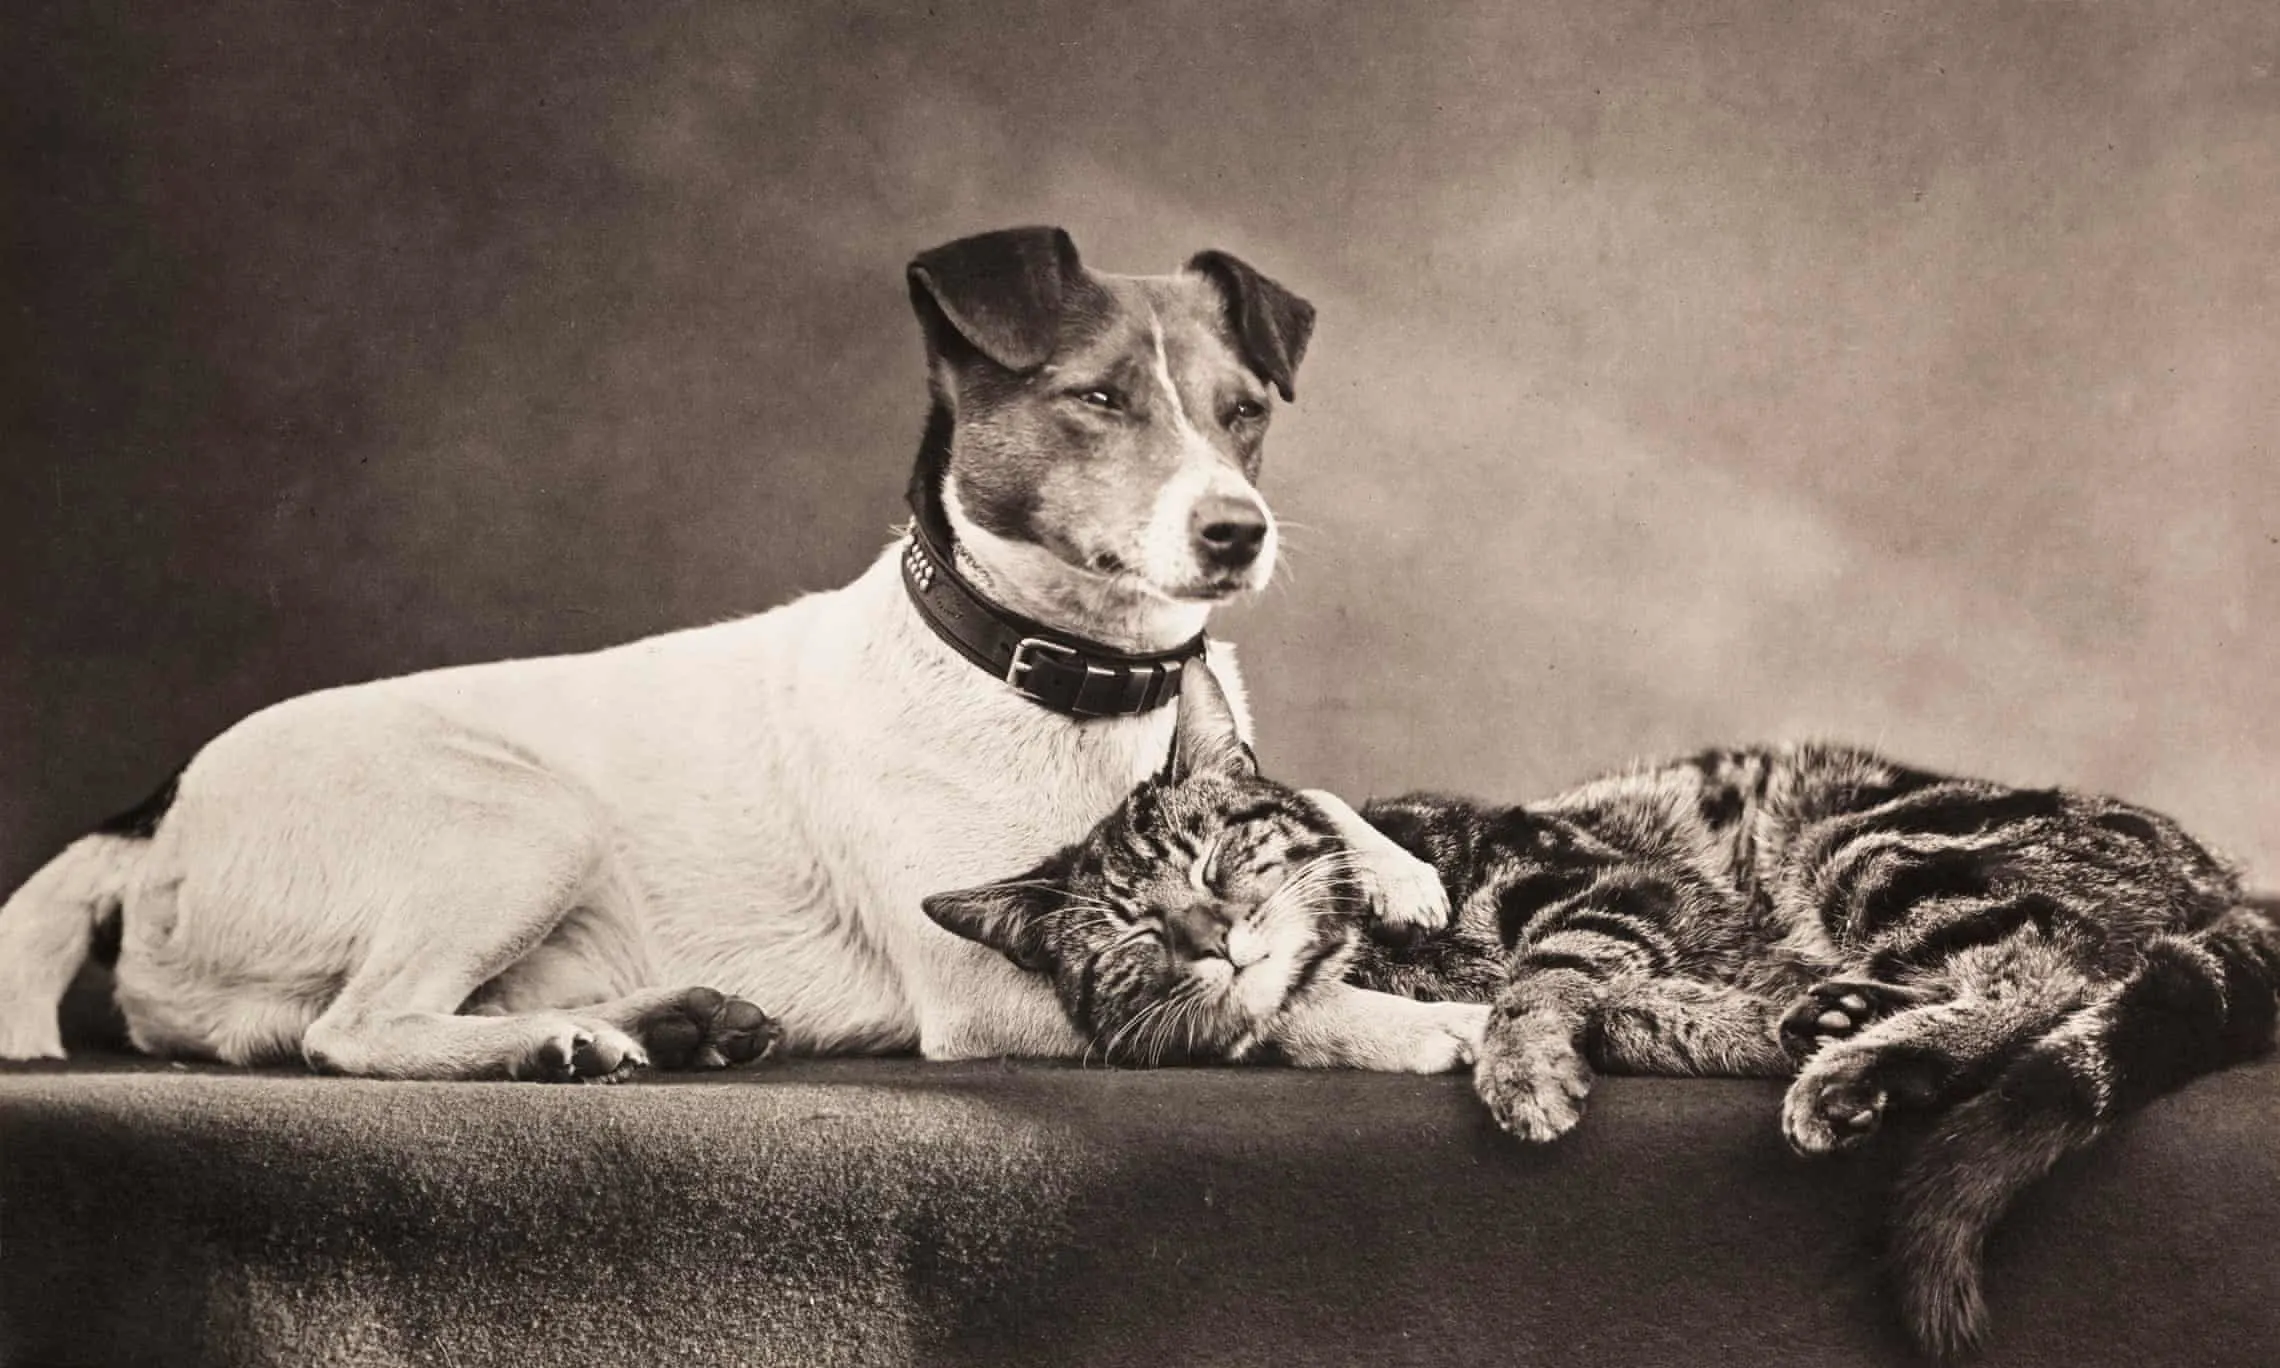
[{"x": 2028, "y": 965}]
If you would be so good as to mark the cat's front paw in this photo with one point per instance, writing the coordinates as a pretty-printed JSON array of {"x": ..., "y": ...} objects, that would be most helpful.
[
  {"x": 1444, "y": 1038},
  {"x": 1404, "y": 890},
  {"x": 1534, "y": 1084},
  {"x": 1344, "y": 1027},
  {"x": 1835, "y": 1105}
]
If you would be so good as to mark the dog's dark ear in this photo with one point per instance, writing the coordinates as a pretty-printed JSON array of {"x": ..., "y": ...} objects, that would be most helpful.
[
  {"x": 999, "y": 293},
  {"x": 1007, "y": 916},
  {"x": 1205, "y": 739},
  {"x": 1272, "y": 323}
]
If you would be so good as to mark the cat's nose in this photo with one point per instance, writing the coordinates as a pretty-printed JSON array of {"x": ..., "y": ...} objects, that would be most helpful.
[{"x": 1198, "y": 932}]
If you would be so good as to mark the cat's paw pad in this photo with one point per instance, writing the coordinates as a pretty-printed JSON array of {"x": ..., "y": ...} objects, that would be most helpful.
[
  {"x": 704, "y": 1029},
  {"x": 1405, "y": 892},
  {"x": 1834, "y": 1009},
  {"x": 1829, "y": 1110},
  {"x": 581, "y": 1053},
  {"x": 1534, "y": 1089}
]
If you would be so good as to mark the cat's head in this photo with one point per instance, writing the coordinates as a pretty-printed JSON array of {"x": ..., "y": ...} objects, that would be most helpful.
[{"x": 1192, "y": 914}]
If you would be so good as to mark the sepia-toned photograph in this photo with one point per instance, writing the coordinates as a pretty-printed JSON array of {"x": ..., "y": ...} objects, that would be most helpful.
[{"x": 1579, "y": 685}]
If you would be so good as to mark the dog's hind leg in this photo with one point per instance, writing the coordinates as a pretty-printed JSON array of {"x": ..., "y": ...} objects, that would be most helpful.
[
  {"x": 595, "y": 966},
  {"x": 484, "y": 899}
]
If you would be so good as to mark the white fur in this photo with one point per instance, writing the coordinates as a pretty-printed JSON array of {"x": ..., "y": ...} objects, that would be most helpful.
[
  {"x": 1406, "y": 890},
  {"x": 1167, "y": 546},
  {"x": 1121, "y": 610},
  {"x": 486, "y": 869},
  {"x": 757, "y": 807}
]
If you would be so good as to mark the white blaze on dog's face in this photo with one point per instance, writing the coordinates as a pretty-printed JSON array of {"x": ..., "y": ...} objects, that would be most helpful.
[
  {"x": 1131, "y": 454},
  {"x": 1125, "y": 461}
]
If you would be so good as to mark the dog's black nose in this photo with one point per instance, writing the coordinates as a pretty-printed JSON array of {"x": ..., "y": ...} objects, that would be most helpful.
[{"x": 1229, "y": 531}]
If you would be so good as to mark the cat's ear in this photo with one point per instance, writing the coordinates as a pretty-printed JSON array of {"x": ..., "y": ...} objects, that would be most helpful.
[
  {"x": 1205, "y": 740},
  {"x": 1007, "y": 916}
]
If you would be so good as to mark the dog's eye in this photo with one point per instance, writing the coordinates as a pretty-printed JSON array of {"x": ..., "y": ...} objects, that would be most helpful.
[
  {"x": 1246, "y": 411},
  {"x": 1100, "y": 398}
]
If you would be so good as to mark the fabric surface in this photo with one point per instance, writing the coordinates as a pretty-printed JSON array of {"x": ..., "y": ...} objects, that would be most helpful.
[{"x": 894, "y": 1211}]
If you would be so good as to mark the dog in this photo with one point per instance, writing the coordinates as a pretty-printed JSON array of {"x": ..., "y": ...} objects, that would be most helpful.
[{"x": 699, "y": 847}]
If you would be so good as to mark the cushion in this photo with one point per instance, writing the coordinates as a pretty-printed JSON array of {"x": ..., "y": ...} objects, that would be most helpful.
[{"x": 880, "y": 1211}]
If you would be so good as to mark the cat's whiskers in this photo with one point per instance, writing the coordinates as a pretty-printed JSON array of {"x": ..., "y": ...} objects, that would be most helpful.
[
  {"x": 1144, "y": 1041},
  {"x": 1139, "y": 1023},
  {"x": 1183, "y": 1016},
  {"x": 1313, "y": 890}
]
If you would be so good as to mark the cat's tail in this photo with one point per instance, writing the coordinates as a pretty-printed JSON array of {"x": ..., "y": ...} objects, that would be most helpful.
[{"x": 2199, "y": 1002}]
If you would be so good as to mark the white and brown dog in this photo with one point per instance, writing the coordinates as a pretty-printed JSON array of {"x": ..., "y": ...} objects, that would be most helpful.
[{"x": 523, "y": 869}]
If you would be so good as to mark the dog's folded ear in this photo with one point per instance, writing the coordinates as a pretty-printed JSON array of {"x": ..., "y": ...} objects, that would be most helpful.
[
  {"x": 998, "y": 293},
  {"x": 1272, "y": 323}
]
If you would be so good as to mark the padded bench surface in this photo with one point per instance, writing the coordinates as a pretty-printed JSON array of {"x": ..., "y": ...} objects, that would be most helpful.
[{"x": 887, "y": 1211}]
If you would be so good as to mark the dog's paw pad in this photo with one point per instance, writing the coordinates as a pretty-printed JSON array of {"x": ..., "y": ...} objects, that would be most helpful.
[
  {"x": 593, "y": 1057},
  {"x": 704, "y": 1029},
  {"x": 550, "y": 1062},
  {"x": 742, "y": 1032}
]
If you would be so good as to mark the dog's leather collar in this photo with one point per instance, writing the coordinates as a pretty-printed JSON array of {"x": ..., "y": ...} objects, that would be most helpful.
[{"x": 1051, "y": 668}]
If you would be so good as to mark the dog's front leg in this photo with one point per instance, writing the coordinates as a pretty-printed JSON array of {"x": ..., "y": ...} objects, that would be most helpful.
[
  {"x": 1343, "y": 1027},
  {"x": 1404, "y": 890}
]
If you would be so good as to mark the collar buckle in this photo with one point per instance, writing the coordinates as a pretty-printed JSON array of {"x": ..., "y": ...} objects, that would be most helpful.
[
  {"x": 1017, "y": 670},
  {"x": 1054, "y": 670}
]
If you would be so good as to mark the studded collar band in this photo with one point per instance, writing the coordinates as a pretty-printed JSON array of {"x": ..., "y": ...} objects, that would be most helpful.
[{"x": 1051, "y": 668}]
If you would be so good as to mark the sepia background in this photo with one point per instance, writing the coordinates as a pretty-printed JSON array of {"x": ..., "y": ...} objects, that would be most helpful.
[{"x": 1686, "y": 374}]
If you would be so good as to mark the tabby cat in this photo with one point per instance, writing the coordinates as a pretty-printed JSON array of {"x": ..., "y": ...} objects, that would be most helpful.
[{"x": 2029, "y": 965}]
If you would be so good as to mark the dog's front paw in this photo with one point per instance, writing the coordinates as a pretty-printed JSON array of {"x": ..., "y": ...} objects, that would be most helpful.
[
  {"x": 580, "y": 1052},
  {"x": 1404, "y": 890},
  {"x": 704, "y": 1029},
  {"x": 1534, "y": 1082}
]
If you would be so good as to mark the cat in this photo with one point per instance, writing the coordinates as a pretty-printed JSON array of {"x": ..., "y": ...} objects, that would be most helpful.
[{"x": 2027, "y": 965}]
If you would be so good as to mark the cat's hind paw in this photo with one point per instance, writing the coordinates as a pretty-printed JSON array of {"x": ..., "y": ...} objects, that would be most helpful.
[
  {"x": 1835, "y": 1009},
  {"x": 1835, "y": 1105}
]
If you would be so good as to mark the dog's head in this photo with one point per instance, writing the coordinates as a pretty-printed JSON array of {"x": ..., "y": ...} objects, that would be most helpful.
[{"x": 1105, "y": 432}]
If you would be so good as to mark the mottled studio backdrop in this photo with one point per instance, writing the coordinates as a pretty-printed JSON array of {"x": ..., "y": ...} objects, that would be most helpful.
[{"x": 1686, "y": 373}]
